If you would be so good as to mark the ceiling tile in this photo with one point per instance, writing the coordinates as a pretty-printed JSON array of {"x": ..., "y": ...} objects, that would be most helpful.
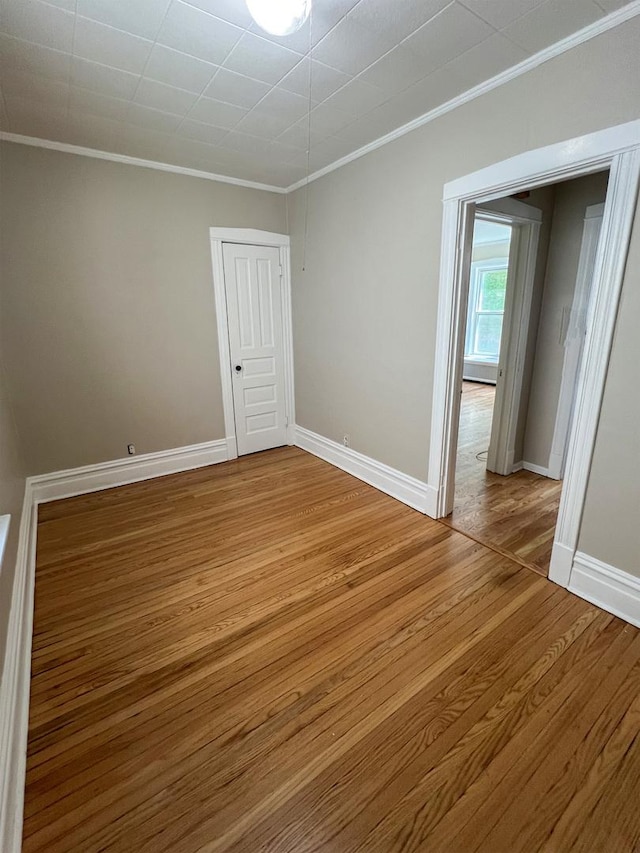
[
  {"x": 69, "y": 5},
  {"x": 22, "y": 56},
  {"x": 194, "y": 32},
  {"x": 328, "y": 151},
  {"x": 324, "y": 80},
  {"x": 153, "y": 119},
  {"x": 552, "y": 21},
  {"x": 396, "y": 70},
  {"x": 382, "y": 16},
  {"x": 243, "y": 142},
  {"x": 351, "y": 48},
  {"x": 327, "y": 120},
  {"x": 297, "y": 136},
  {"x": 193, "y": 154},
  {"x": 24, "y": 111},
  {"x": 485, "y": 60},
  {"x": 261, "y": 59},
  {"x": 288, "y": 154},
  {"x": 233, "y": 11},
  {"x": 85, "y": 101},
  {"x": 178, "y": 69},
  {"x": 202, "y": 132},
  {"x": 284, "y": 105},
  {"x": 37, "y": 22},
  {"x": 36, "y": 87},
  {"x": 109, "y": 46},
  {"x": 103, "y": 78},
  {"x": 140, "y": 17},
  {"x": 499, "y": 13},
  {"x": 357, "y": 97},
  {"x": 166, "y": 98},
  {"x": 262, "y": 124},
  {"x": 446, "y": 36},
  {"x": 236, "y": 89},
  {"x": 138, "y": 140},
  {"x": 613, "y": 5},
  {"x": 217, "y": 113},
  {"x": 366, "y": 129}
]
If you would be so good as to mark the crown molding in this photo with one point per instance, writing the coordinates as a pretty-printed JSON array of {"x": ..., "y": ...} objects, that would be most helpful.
[
  {"x": 586, "y": 34},
  {"x": 614, "y": 19},
  {"x": 67, "y": 148}
]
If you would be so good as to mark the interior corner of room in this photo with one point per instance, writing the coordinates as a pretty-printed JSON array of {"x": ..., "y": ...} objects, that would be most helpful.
[{"x": 449, "y": 317}]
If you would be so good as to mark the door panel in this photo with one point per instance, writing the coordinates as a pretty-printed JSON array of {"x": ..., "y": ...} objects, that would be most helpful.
[{"x": 254, "y": 309}]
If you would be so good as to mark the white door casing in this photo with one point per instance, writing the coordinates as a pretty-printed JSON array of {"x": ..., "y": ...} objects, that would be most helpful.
[
  {"x": 618, "y": 149},
  {"x": 574, "y": 339},
  {"x": 220, "y": 238},
  {"x": 252, "y": 287},
  {"x": 525, "y": 223}
]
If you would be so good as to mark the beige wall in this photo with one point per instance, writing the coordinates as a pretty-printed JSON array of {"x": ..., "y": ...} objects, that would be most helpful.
[
  {"x": 108, "y": 314},
  {"x": 571, "y": 201},
  {"x": 365, "y": 308}
]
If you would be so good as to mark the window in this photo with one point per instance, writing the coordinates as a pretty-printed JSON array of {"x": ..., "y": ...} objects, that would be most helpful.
[{"x": 486, "y": 310}]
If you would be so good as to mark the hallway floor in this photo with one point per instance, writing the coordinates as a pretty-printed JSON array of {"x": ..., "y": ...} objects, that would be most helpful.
[{"x": 515, "y": 515}]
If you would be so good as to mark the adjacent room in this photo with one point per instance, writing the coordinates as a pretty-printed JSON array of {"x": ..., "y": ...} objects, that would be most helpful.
[
  {"x": 319, "y": 459},
  {"x": 531, "y": 269}
]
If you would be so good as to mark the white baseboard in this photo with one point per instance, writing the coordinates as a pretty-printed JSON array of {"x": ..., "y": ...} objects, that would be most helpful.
[
  {"x": 409, "y": 490},
  {"x": 16, "y": 677},
  {"x": 606, "y": 586},
  {"x": 16, "y": 673},
  {"x": 537, "y": 469},
  {"x": 555, "y": 465},
  {"x": 120, "y": 472}
]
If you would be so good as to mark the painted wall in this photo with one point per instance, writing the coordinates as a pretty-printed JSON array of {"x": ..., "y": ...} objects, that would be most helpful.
[
  {"x": 571, "y": 201},
  {"x": 365, "y": 307},
  {"x": 108, "y": 314}
]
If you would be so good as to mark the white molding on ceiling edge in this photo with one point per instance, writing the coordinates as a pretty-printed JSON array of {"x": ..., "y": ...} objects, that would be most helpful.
[
  {"x": 610, "y": 21},
  {"x": 606, "y": 586},
  {"x": 402, "y": 487},
  {"x": 598, "y": 27},
  {"x": 16, "y": 672},
  {"x": 67, "y": 148}
]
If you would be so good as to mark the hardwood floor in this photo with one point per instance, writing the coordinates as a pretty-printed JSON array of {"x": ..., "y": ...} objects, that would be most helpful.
[
  {"x": 516, "y": 515},
  {"x": 269, "y": 655}
]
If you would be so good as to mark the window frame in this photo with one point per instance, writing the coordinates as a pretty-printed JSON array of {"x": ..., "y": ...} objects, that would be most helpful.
[{"x": 478, "y": 268}]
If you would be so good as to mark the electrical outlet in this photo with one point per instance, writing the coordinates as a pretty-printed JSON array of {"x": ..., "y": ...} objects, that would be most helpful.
[
  {"x": 346, "y": 440},
  {"x": 131, "y": 449}
]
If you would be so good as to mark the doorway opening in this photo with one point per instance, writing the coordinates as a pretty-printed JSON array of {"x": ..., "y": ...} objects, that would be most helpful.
[
  {"x": 525, "y": 325},
  {"x": 618, "y": 150}
]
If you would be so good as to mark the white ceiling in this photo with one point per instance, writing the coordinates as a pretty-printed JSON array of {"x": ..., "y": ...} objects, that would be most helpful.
[{"x": 197, "y": 84}]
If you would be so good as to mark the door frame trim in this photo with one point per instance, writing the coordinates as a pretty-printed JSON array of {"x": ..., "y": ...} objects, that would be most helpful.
[
  {"x": 252, "y": 237},
  {"x": 618, "y": 149},
  {"x": 557, "y": 455}
]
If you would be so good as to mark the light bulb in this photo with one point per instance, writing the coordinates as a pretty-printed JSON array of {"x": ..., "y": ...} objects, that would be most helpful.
[{"x": 279, "y": 17}]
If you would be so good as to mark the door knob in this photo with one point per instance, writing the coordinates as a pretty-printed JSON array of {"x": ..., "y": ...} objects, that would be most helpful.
[{"x": 238, "y": 368}]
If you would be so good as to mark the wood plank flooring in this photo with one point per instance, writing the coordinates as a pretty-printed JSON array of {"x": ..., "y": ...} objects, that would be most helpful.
[
  {"x": 517, "y": 514},
  {"x": 269, "y": 655}
]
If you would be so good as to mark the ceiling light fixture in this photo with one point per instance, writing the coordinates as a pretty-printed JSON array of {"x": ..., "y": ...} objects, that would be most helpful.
[{"x": 279, "y": 17}]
